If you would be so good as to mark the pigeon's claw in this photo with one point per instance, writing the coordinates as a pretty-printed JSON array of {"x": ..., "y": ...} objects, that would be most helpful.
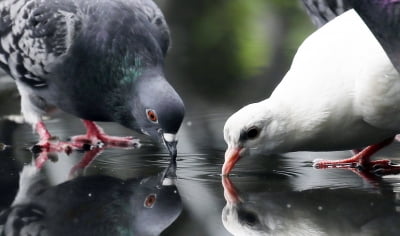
[
  {"x": 87, "y": 159},
  {"x": 50, "y": 143},
  {"x": 101, "y": 140},
  {"x": 96, "y": 137},
  {"x": 48, "y": 146}
]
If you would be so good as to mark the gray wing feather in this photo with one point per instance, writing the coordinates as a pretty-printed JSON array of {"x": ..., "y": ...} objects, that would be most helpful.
[
  {"x": 156, "y": 18},
  {"x": 383, "y": 19},
  {"x": 5, "y": 29},
  {"x": 322, "y": 11},
  {"x": 381, "y": 16},
  {"x": 35, "y": 34}
]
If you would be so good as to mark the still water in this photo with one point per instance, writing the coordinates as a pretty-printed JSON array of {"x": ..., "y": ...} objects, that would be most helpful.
[
  {"x": 115, "y": 191},
  {"x": 218, "y": 63}
]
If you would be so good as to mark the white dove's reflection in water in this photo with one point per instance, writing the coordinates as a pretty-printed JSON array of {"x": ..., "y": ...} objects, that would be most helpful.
[{"x": 309, "y": 212}]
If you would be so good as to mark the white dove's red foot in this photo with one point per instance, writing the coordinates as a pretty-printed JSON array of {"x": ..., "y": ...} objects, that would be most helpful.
[{"x": 363, "y": 160}]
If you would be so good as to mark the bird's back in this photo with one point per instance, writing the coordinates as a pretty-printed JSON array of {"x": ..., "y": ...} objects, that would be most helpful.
[
  {"x": 323, "y": 11},
  {"x": 80, "y": 46},
  {"x": 36, "y": 34},
  {"x": 342, "y": 84}
]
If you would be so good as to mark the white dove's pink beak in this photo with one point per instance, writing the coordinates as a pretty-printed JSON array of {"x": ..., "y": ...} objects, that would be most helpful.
[{"x": 232, "y": 155}]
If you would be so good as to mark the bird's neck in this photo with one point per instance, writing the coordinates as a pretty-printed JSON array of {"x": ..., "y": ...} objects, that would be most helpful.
[{"x": 288, "y": 127}]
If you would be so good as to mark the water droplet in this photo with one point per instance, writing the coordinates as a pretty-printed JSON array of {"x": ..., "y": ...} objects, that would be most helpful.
[{"x": 3, "y": 147}]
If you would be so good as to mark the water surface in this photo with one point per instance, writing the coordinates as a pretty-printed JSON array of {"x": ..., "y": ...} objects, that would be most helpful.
[{"x": 275, "y": 195}]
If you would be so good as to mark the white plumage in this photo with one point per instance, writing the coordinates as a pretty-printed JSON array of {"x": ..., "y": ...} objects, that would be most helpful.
[{"x": 341, "y": 92}]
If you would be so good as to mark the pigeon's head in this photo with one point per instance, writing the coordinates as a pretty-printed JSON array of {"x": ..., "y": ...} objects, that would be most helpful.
[
  {"x": 125, "y": 50},
  {"x": 156, "y": 204},
  {"x": 155, "y": 109},
  {"x": 251, "y": 127}
]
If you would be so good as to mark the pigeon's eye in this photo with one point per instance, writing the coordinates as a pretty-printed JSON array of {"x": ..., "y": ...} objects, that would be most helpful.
[
  {"x": 253, "y": 132},
  {"x": 150, "y": 200},
  {"x": 151, "y": 115}
]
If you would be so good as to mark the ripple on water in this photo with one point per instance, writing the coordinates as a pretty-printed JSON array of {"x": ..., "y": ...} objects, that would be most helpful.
[{"x": 199, "y": 167}]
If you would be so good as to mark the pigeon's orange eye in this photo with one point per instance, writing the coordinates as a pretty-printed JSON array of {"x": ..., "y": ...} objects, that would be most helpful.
[
  {"x": 150, "y": 200},
  {"x": 151, "y": 115}
]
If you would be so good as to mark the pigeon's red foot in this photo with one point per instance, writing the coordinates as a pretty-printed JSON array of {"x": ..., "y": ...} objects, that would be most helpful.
[
  {"x": 50, "y": 143},
  {"x": 95, "y": 136},
  {"x": 362, "y": 161},
  {"x": 87, "y": 159}
]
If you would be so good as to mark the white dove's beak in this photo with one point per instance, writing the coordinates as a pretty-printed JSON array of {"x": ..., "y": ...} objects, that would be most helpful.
[{"x": 232, "y": 155}]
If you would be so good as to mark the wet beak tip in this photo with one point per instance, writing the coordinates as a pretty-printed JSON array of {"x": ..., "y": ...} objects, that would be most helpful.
[
  {"x": 225, "y": 172},
  {"x": 232, "y": 156},
  {"x": 227, "y": 168},
  {"x": 169, "y": 138},
  {"x": 170, "y": 141}
]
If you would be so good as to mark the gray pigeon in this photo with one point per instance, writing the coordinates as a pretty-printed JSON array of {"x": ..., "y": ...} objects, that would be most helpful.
[
  {"x": 98, "y": 60},
  {"x": 92, "y": 205}
]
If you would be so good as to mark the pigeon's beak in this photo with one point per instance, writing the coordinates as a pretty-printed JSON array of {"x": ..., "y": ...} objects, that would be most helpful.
[
  {"x": 232, "y": 155},
  {"x": 170, "y": 141}
]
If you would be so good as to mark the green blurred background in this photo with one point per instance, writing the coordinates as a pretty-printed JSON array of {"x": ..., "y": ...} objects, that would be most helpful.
[{"x": 231, "y": 52}]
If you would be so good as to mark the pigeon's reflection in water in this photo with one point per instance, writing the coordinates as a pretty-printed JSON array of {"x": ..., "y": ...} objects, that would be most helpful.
[
  {"x": 309, "y": 212},
  {"x": 93, "y": 205}
]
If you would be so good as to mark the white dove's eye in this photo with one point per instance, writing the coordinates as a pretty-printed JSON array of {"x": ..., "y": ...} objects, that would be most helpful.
[{"x": 252, "y": 132}]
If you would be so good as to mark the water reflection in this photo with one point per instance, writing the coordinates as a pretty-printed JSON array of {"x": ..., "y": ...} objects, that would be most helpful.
[
  {"x": 92, "y": 205},
  {"x": 311, "y": 212},
  {"x": 261, "y": 178}
]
